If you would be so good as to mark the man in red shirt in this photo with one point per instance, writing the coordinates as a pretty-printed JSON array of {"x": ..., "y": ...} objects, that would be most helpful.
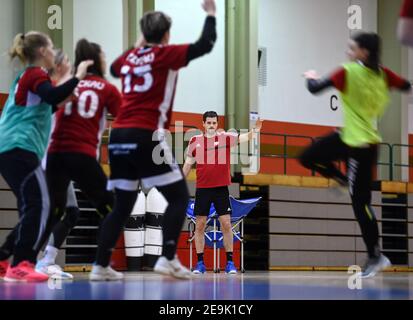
[
  {"x": 406, "y": 23},
  {"x": 211, "y": 152}
]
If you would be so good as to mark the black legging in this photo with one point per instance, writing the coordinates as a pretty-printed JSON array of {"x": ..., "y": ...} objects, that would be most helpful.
[
  {"x": 22, "y": 171},
  {"x": 63, "y": 227},
  {"x": 360, "y": 162},
  {"x": 322, "y": 154},
  {"x": 177, "y": 196},
  {"x": 89, "y": 176}
]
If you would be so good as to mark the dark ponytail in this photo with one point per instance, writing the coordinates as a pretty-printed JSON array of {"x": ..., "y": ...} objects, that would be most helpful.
[
  {"x": 372, "y": 43},
  {"x": 86, "y": 50}
]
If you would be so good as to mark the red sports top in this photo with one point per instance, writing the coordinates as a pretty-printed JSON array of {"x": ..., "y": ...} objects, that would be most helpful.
[
  {"x": 26, "y": 90},
  {"x": 81, "y": 122},
  {"x": 213, "y": 159},
  {"x": 393, "y": 80},
  {"x": 149, "y": 77},
  {"x": 407, "y": 9}
]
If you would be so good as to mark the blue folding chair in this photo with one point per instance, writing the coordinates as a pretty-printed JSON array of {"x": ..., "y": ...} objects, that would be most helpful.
[{"x": 214, "y": 238}]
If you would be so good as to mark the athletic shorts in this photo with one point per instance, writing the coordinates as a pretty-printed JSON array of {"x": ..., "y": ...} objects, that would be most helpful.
[
  {"x": 218, "y": 196},
  {"x": 135, "y": 158}
]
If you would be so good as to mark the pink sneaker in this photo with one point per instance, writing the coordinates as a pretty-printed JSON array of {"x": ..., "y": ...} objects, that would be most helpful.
[
  {"x": 4, "y": 265},
  {"x": 24, "y": 272}
]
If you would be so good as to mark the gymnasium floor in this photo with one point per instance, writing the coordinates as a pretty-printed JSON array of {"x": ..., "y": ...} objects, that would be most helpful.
[{"x": 250, "y": 286}]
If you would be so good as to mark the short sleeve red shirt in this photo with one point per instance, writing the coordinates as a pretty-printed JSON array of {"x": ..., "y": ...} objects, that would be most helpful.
[
  {"x": 213, "y": 159},
  {"x": 81, "y": 122},
  {"x": 26, "y": 94}
]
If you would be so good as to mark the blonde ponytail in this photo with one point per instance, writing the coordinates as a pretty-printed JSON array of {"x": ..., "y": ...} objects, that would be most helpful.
[
  {"x": 17, "y": 50},
  {"x": 25, "y": 46}
]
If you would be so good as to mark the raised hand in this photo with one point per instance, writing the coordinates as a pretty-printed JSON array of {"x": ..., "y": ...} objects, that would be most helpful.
[
  {"x": 258, "y": 124},
  {"x": 311, "y": 75},
  {"x": 82, "y": 69},
  {"x": 210, "y": 7}
]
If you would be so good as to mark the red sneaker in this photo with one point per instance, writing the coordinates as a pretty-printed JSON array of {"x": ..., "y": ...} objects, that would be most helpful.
[
  {"x": 24, "y": 272},
  {"x": 4, "y": 265}
]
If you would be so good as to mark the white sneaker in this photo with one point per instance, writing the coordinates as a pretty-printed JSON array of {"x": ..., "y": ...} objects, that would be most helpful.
[
  {"x": 374, "y": 266},
  {"x": 54, "y": 271},
  {"x": 100, "y": 273},
  {"x": 172, "y": 268}
]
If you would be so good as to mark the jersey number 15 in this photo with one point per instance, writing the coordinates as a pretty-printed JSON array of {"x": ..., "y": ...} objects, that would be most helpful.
[{"x": 143, "y": 72}]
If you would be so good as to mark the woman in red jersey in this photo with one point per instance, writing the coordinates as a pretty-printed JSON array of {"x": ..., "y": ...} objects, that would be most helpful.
[
  {"x": 74, "y": 147},
  {"x": 47, "y": 264},
  {"x": 149, "y": 75},
  {"x": 25, "y": 129}
]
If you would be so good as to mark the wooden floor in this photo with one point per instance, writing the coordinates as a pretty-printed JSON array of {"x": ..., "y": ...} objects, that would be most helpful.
[{"x": 250, "y": 286}]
